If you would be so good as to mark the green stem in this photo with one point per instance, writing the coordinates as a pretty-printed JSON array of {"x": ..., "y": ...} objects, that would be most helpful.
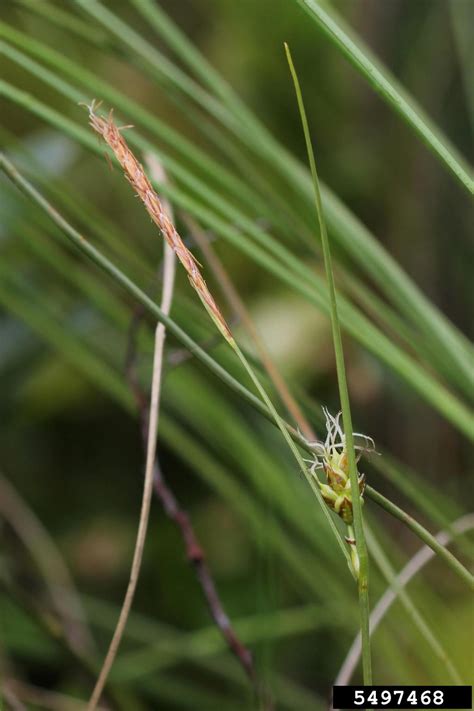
[
  {"x": 202, "y": 356},
  {"x": 422, "y": 533},
  {"x": 282, "y": 426},
  {"x": 424, "y": 628},
  {"x": 361, "y": 546}
]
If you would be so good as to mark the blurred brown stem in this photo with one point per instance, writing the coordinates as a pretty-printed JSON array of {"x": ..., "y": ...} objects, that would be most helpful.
[{"x": 194, "y": 551}]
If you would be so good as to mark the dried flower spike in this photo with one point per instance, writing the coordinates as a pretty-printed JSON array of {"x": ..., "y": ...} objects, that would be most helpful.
[
  {"x": 331, "y": 457},
  {"x": 135, "y": 174}
]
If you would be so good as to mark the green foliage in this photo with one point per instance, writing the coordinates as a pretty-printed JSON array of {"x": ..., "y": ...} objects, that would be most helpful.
[{"x": 278, "y": 567}]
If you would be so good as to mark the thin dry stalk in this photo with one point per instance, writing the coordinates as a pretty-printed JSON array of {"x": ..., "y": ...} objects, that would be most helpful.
[
  {"x": 160, "y": 334},
  {"x": 41, "y": 698},
  {"x": 194, "y": 551},
  {"x": 9, "y": 695}
]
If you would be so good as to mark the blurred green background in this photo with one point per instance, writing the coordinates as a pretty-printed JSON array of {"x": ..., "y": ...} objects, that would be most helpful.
[{"x": 73, "y": 451}]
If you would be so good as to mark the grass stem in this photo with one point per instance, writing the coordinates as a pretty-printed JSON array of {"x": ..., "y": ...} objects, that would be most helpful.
[
  {"x": 363, "y": 573},
  {"x": 412, "y": 568}
]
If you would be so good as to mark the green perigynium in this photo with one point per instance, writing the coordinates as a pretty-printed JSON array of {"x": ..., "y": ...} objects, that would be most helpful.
[{"x": 331, "y": 457}]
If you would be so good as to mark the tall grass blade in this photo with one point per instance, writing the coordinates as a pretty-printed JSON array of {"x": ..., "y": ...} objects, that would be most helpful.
[
  {"x": 363, "y": 573},
  {"x": 391, "y": 92}
]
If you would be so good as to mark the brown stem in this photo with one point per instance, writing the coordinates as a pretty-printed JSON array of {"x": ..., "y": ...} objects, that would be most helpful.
[
  {"x": 194, "y": 551},
  {"x": 196, "y": 556}
]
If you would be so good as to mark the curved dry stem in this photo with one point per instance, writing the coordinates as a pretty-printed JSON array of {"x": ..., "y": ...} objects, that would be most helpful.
[
  {"x": 419, "y": 560},
  {"x": 160, "y": 334},
  {"x": 38, "y": 697},
  {"x": 12, "y": 699}
]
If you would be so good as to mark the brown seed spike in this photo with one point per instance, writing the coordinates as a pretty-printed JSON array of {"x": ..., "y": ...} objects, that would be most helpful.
[{"x": 135, "y": 174}]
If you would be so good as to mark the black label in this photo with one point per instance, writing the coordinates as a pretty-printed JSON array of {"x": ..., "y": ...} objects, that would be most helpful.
[{"x": 402, "y": 697}]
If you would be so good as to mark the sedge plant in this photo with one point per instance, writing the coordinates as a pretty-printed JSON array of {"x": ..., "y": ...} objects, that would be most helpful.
[
  {"x": 339, "y": 458},
  {"x": 434, "y": 361},
  {"x": 121, "y": 392},
  {"x": 139, "y": 181},
  {"x": 343, "y": 493}
]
